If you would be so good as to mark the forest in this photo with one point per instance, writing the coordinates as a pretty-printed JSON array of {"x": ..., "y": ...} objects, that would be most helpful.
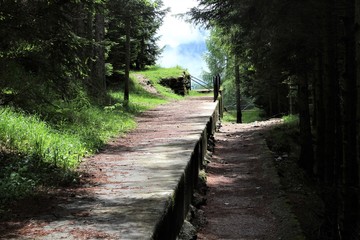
[
  {"x": 299, "y": 57},
  {"x": 65, "y": 47},
  {"x": 62, "y": 62},
  {"x": 66, "y": 87}
]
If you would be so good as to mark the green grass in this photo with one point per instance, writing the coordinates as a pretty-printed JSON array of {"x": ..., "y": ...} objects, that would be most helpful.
[
  {"x": 154, "y": 74},
  {"x": 45, "y": 149},
  {"x": 248, "y": 116},
  {"x": 284, "y": 138},
  {"x": 35, "y": 154},
  {"x": 193, "y": 93},
  {"x": 31, "y": 136},
  {"x": 291, "y": 119}
]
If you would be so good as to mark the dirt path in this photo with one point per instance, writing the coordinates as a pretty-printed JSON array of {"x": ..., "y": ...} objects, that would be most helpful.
[{"x": 244, "y": 200}]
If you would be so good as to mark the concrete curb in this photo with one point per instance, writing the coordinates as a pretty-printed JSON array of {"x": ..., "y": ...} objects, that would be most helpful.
[{"x": 177, "y": 207}]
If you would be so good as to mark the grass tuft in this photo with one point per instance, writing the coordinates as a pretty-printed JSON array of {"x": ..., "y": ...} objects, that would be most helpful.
[{"x": 33, "y": 137}]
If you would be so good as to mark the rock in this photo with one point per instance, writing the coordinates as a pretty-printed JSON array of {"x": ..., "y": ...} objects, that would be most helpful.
[
  {"x": 198, "y": 200},
  {"x": 180, "y": 85},
  {"x": 187, "y": 232}
]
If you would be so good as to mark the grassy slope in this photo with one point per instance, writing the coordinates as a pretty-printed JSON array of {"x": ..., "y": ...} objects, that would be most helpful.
[
  {"x": 154, "y": 74},
  {"x": 35, "y": 152}
]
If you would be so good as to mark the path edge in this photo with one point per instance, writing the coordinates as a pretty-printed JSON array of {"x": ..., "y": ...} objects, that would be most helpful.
[{"x": 178, "y": 204}]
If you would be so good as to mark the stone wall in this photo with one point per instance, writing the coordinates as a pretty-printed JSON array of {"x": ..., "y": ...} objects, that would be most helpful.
[{"x": 180, "y": 85}]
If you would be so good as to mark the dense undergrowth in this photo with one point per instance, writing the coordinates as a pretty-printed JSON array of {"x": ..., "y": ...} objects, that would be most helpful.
[{"x": 43, "y": 149}]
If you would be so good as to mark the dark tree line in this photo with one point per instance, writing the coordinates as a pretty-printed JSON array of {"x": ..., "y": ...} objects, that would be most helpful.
[
  {"x": 312, "y": 47},
  {"x": 58, "y": 49}
]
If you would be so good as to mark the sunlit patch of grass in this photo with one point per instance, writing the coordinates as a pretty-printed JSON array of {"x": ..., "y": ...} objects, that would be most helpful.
[
  {"x": 248, "y": 116},
  {"x": 291, "y": 119},
  {"x": 155, "y": 74},
  {"x": 138, "y": 102},
  {"x": 30, "y": 136}
]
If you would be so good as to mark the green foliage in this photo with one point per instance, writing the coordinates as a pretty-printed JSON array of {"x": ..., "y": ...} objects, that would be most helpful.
[
  {"x": 155, "y": 73},
  {"x": 248, "y": 116},
  {"x": 145, "y": 19},
  {"x": 282, "y": 139},
  {"x": 39, "y": 153},
  {"x": 53, "y": 45},
  {"x": 266, "y": 58},
  {"x": 33, "y": 137},
  {"x": 217, "y": 56},
  {"x": 21, "y": 176},
  {"x": 291, "y": 120},
  {"x": 314, "y": 45},
  {"x": 139, "y": 101},
  {"x": 54, "y": 56}
]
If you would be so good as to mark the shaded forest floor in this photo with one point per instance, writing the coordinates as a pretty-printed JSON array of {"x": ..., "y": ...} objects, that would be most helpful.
[
  {"x": 255, "y": 193},
  {"x": 303, "y": 193}
]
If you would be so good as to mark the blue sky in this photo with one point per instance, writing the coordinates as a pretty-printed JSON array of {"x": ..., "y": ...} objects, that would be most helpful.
[{"x": 184, "y": 43}]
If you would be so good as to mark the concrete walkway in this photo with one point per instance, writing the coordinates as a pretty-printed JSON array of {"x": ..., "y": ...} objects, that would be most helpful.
[{"x": 140, "y": 186}]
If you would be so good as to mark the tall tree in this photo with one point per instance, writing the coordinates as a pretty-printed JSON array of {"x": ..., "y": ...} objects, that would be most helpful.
[
  {"x": 316, "y": 44},
  {"x": 99, "y": 51},
  {"x": 217, "y": 56},
  {"x": 43, "y": 38},
  {"x": 133, "y": 23},
  {"x": 237, "y": 91},
  {"x": 350, "y": 159}
]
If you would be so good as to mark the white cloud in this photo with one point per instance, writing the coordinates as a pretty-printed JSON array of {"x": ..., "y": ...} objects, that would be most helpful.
[
  {"x": 194, "y": 63},
  {"x": 176, "y": 32}
]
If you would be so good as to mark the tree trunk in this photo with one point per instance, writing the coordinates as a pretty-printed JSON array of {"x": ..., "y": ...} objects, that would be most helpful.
[
  {"x": 88, "y": 50},
  {"x": 127, "y": 60},
  {"x": 351, "y": 166},
  {"x": 306, "y": 160},
  {"x": 331, "y": 125},
  {"x": 320, "y": 118},
  {"x": 238, "y": 93},
  {"x": 357, "y": 64},
  {"x": 99, "y": 81}
]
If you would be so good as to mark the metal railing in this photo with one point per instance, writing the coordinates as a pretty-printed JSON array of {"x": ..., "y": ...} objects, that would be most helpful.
[
  {"x": 205, "y": 85},
  {"x": 215, "y": 88},
  {"x": 200, "y": 82}
]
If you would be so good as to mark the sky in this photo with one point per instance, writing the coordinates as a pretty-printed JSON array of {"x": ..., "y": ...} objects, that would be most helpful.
[{"x": 184, "y": 43}]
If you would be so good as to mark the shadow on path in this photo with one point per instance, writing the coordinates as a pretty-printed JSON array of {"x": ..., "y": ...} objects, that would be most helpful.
[{"x": 244, "y": 200}]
